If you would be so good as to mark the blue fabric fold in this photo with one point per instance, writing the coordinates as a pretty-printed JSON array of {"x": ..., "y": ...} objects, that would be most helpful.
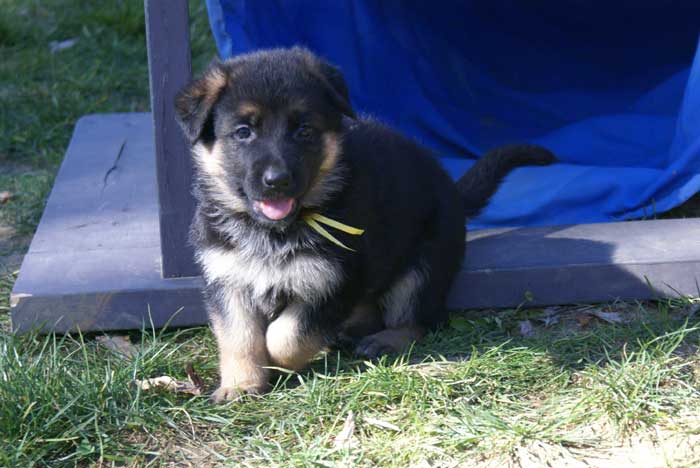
[{"x": 613, "y": 88}]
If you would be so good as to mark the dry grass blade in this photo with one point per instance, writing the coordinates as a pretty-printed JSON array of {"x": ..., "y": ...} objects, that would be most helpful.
[
  {"x": 610, "y": 317},
  {"x": 382, "y": 424},
  {"x": 346, "y": 437},
  {"x": 57, "y": 46},
  {"x": 550, "y": 316}
]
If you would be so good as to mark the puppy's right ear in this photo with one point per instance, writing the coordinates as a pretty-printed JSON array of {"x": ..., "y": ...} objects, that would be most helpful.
[{"x": 193, "y": 104}]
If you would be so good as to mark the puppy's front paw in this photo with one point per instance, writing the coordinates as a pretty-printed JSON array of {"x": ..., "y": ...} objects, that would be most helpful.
[{"x": 223, "y": 393}]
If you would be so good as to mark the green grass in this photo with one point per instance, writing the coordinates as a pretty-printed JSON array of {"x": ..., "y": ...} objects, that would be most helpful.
[
  {"x": 474, "y": 393},
  {"x": 29, "y": 190},
  {"x": 66, "y": 399},
  {"x": 42, "y": 94}
]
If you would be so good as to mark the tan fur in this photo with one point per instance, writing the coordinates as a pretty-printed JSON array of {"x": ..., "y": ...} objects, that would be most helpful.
[
  {"x": 287, "y": 345},
  {"x": 364, "y": 320},
  {"x": 328, "y": 179},
  {"x": 216, "y": 79},
  {"x": 400, "y": 301},
  {"x": 242, "y": 353},
  {"x": 209, "y": 86},
  {"x": 248, "y": 109},
  {"x": 209, "y": 162},
  {"x": 331, "y": 152}
]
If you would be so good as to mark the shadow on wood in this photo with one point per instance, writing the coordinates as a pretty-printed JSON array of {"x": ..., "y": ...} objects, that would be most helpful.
[{"x": 95, "y": 261}]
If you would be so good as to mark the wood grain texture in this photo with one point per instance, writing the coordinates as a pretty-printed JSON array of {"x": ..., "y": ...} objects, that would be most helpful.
[
  {"x": 95, "y": 260},
  {"x": 94, "y": 263},
  {"x": 169, "y": 65}
]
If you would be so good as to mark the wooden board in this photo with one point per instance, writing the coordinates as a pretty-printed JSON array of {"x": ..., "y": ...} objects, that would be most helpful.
[
  {"x": 169, "y": 67},
  {"x": 95, "y": 261},
  {"x": 579, "y": 264}
]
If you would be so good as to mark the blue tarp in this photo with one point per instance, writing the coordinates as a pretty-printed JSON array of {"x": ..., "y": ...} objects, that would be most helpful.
[{"x": 613, "y": 88}]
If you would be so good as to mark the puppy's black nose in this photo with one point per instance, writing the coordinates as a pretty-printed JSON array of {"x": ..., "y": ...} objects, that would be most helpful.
[{"x": 276, "y": 178}]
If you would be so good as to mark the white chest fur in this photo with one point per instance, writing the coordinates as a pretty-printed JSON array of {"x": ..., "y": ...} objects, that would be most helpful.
[{"x": 308, "y": 277}]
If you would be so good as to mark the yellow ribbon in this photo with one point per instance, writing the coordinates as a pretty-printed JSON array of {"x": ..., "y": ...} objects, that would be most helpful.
[{"x": 313, "y": 220}]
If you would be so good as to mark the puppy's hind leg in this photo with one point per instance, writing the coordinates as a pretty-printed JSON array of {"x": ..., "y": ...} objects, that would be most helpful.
[
  {"x": 389, "y": 341},
  {"x": 399, "y": 305},
  {"x": 415, "y": 302},
  {"x": 365, "y": 319}
]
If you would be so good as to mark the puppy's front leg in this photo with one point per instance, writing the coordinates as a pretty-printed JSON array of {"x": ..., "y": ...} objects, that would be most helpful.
[
  {"x": 292, "y": 340},
  {"x": 240, "y": 334}
]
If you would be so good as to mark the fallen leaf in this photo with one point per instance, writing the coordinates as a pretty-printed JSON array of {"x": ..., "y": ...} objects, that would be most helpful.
[
  {"x": 119, "y": 344},
  {"x": 5, "y": 196},
  {"x": 346, "y": 437},
  {"x": 195, "y": 386},
  {"x": 583, "y": 319},
  {"x": 57, "y": 46},
  {"x": 194, "y": 378},
  {"x": 526, "y": 328},
  {"x": 168, "y": 383},
  {"x": 382, "y": 424}
]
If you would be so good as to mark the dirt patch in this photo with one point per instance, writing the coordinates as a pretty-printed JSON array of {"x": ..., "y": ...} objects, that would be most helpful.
[{"x": 655, "y": 448}]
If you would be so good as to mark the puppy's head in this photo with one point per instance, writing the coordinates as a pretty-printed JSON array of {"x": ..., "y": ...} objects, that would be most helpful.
[{"x": 264, "y": 129}]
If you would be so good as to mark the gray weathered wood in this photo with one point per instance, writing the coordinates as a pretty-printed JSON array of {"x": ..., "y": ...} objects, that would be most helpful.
[
  {"x": 94, "y": 263},
  {"x": 579, "y": 264},
  {"x": 167, "y": 33}
]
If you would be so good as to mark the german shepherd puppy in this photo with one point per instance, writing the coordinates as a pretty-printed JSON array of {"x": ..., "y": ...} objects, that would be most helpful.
[{"x": 276, "y": 143}]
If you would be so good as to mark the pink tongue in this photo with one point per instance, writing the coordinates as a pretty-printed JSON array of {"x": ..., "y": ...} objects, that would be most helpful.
[{"x": 276, "y": 209}]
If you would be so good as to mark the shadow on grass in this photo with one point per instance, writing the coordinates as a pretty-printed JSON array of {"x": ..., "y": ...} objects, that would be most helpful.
[
  {"x": 566, "y": 347},
  {"x": 570, "y": 336}
]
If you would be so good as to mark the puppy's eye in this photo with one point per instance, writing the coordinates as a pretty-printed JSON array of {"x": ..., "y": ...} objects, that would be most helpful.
[
  {"x": 243, "y": 133},
  {"x": 304, "y": 132}
]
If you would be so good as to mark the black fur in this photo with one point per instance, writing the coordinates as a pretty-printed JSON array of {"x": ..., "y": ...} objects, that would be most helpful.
[
  {"x": 411, "y": 211},
  {"x": 484, "y": 177}
]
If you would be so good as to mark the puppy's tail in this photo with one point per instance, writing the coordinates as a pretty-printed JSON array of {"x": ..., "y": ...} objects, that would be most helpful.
[{"x": 482, "y": 180}]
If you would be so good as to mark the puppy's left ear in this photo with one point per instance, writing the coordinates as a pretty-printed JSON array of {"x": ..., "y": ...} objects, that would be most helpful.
[
  {"x": 338, "y": 88},
  {"x": 194, "y": 103}
]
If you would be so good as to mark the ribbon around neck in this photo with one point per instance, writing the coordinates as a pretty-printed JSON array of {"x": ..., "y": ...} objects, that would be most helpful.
[{"x": 314, "y": 220}]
